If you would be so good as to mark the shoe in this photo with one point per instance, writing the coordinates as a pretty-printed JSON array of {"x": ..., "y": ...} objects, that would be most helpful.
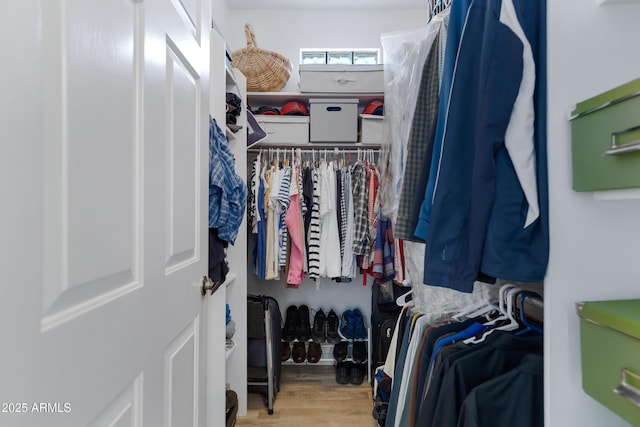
[
  {"x": 333, "y": 337},
  {"x": 286, "y": 351},
  {"x": 303, "y": 328},
  {"x": 340, "y": 351},
  {"x": 359, "y": 330},
  {"x": 314, "y": 352},
  {"x": 346, "y": 325},
  {"x": 343, "y": 372},
  {"x": 319, "y": 333},
  {"x": 357, "y": 374},
  {"x": 359, "y": 353},
  {"x": 298, "y": 352},
  {"x": 289, "y": 330}
]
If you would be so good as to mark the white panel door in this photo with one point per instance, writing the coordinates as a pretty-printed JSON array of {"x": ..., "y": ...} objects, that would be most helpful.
[{"x": 103, "y": 221}]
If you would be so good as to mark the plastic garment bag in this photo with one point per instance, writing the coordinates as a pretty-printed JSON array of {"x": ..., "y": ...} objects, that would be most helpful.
[
  {"x": 405, "y": 54},
  {"x": 433, "y": 301}
]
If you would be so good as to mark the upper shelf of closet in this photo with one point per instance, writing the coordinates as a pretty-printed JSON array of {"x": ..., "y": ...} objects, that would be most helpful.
[{"x": 279, "y": 98}]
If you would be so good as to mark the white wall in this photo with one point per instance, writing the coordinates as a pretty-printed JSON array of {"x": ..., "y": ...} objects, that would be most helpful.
[
  {"x": 286, "y": 31},
  {"x": 594, "y": 243},
  {"x": 219, "y": 14}
]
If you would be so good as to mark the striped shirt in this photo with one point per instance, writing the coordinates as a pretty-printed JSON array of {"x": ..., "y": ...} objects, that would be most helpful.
[
  {"x": 283, "y": 199},
  {"x": 313, "y": 237}
]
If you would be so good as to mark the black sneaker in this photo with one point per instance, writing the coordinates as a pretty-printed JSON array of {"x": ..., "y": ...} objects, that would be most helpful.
[
  {"x": 359, "y": 351},
  {"x": 319, "y": 334},
  {"x": 289, "y": 330},
  {"x": 340, "y": 351},
  {"x": 303, "y": 328},
  {"x": 333, "y": 321},
  {"x": 343, "y": 372},
  {"x": 357, "y": 374}
]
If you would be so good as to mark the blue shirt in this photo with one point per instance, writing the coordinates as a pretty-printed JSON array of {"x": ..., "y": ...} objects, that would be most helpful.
[{"x": 227, "y": 191}]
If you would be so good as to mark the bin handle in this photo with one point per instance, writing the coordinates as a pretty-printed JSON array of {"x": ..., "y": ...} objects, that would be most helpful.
[
  {"x": 626, "y": 390},
  {"x": 615, "y": 148},
  {"x": 344, "y": 80}
]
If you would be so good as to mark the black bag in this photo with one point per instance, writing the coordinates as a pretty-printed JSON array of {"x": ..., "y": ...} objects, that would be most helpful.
[{"x": 384, "y": 315}]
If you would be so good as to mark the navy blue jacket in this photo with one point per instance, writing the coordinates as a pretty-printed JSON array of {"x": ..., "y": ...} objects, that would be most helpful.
[
  {"x": 476, "y": 225},
  {"x": 486, "y": 82}
]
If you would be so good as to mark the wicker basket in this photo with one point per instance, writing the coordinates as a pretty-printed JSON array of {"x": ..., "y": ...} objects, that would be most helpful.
[{"x": 266, "y": 71}]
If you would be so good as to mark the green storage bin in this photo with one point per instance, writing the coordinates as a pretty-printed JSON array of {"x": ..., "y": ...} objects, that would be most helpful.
[
  {"x": 605, "y": 140},
  {"x": 610, "y": 348}
]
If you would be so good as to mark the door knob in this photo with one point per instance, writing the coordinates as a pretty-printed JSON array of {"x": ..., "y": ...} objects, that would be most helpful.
[{"x": 208, "y": 285}]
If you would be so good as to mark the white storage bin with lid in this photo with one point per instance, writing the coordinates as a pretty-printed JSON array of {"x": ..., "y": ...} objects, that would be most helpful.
[
  {"x": 341, "y": 78},
  {"x": 333, "y": 120},
  {"x": 284, "y": 129},
  {"x": 371, "y": 128}
]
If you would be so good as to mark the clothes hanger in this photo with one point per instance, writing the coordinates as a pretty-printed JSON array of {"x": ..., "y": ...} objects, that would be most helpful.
[
  {"x": 466, "y": 311},
  {"x": 402, "y": 300},
  {"x": 501, "y": 304},
  {"x": 528, "y": 325},
  {"x": 484, "y": 311},
  {"x": 475, "y": 309},
  {"x": 513, "y": 322}
]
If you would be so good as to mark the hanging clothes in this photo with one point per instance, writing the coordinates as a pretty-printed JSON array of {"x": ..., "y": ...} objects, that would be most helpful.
[
  {"x": 420, "y": 145},
  {"x": 457, "y": 17},
  {"x": 252, "y": 210},
  {"x": 515, "y": 395},
  {"x": 361, "y": 244},
  {"x": 483, "y": 162},
  {"x": 314, "y": 229},
  {"x": 326, "y": 249},
  {"x": 330, "y": 262},
  {"x": 510, "y": 250},
  {"x": 468, "y": 369},
  {"x": 293, "y": 221},
  {"x": 273, "y": 246},
  {"x": 284, "y": 200},
  {"x": 260, "y": 253},
  {"x": 439, "y": 379},
  {"x": 348, "y": 260},
  {"x": 227, "y": 191}
]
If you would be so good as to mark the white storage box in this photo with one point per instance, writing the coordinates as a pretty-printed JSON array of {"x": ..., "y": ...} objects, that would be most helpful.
[
  {"x": 285, "y": 129},
  {"x": 371, "y": 128},
  {"x": 333, "y": 120},
  {"x": 342, "y": 78}
]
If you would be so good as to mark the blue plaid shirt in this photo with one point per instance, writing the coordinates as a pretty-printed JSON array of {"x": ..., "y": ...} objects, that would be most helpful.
[{"x": 227, "y": 191}]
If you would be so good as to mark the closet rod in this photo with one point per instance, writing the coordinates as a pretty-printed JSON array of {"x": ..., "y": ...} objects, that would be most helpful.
[{"x": 535, "y": 301}]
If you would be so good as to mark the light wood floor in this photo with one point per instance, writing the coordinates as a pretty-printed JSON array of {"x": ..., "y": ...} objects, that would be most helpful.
[{"x": 310, "y": 396}]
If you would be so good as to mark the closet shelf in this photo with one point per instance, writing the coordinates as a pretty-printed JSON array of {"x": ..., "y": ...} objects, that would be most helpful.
[{"x": 282, "y": 97}]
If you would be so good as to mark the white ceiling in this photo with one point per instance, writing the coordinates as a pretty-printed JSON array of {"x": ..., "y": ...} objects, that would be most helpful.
[{"x": 326, "y": 4}]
